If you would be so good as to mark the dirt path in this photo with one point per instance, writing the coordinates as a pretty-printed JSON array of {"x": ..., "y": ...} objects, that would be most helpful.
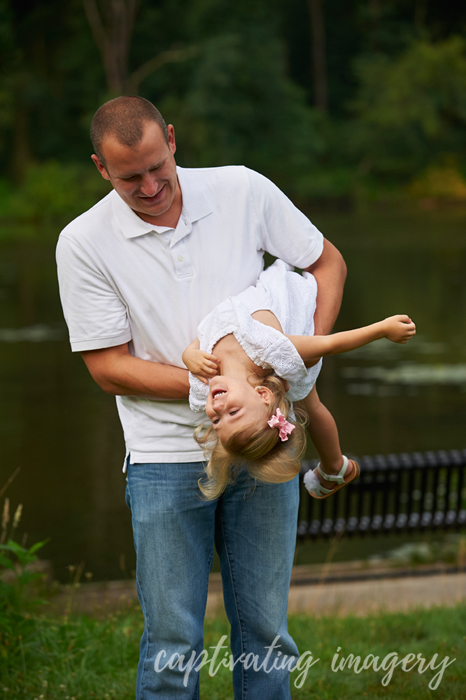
[{"x": 314, "y": 591}]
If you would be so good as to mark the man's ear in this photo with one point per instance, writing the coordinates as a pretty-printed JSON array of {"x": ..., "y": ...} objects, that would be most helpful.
[
  {"x": 171, "y": 138},
  {"x": 100, "y": 167}
]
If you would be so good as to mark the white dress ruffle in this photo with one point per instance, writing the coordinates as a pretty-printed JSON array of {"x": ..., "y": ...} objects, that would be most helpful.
[{"x": 288, "y": 295}]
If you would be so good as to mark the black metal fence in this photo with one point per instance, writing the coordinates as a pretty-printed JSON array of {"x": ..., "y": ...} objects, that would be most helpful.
[{"x": 395, "y": 493}]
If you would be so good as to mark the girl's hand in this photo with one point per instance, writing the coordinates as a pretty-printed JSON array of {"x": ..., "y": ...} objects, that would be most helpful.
[
  {"x": 398, "y": 329},
  {"x": 200, "y": 363}
]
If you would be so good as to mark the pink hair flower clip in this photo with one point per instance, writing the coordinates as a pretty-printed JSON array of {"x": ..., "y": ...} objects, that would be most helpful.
[{"x": 284, "y": 428}]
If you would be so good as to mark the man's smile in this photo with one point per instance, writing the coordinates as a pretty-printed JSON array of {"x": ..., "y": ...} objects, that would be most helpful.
[{"x": 152, "y": 198}]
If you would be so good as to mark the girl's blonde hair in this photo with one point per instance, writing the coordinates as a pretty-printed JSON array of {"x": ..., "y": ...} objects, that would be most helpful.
[{"x": 266, "y": 457}]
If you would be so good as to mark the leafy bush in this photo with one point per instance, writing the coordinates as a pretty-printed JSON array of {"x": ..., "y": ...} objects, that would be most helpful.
[
  {"x": 16, "y": 575},
  {"x": 441, "y": 182},
  {"x": 411, "y": 109},
  {"x": 53, "y": 190}
]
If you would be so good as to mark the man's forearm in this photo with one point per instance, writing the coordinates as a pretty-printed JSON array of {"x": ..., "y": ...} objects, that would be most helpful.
[
  {"x": 117, "y": 372},
  {"x": 330, "y": 273}
]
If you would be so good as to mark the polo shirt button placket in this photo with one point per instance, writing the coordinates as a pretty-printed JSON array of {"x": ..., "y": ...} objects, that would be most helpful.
[{"x": 180, "y": 255}]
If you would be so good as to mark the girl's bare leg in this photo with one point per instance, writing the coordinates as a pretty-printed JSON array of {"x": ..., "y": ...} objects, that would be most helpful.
[{"x": 324, "y": 434}]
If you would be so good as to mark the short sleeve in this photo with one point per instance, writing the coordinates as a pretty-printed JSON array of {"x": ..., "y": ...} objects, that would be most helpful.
[
  {"x": 95, "y": 314},
  {"x": 285, "y": 231},
  {"x": 268, "y": 348},
  {"x": 198, "y": 393}
]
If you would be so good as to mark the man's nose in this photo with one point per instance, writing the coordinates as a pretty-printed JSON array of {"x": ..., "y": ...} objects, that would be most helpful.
[{"x": 149, "y": 185}]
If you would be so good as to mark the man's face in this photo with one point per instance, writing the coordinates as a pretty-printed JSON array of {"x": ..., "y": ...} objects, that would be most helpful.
[{"x": 144, "y": 176}]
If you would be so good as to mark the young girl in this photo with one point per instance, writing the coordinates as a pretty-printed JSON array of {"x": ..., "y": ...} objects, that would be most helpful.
[{"x": 262, "y": 379}]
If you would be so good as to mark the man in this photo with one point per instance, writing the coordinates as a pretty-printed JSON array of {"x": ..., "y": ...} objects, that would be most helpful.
[{"x": 137, "y": 273}]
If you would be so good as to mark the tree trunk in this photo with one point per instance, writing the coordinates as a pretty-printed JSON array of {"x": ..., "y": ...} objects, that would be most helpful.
[
  {"x": 318, "y": 57},
  {"x": 420, "y": 14},
  {"x": 21, "y": 152},
  {"x": 112, "y": 28}
]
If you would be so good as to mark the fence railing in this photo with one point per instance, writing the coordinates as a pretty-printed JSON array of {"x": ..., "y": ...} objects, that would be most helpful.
[{"x": 395, "y": 493}]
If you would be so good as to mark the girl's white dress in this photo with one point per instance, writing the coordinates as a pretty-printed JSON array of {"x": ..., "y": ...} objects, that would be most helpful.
[{"x": 288, "y": 295}]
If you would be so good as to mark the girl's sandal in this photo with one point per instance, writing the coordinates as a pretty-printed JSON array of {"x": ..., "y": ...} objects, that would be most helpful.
[{"x": 314, "y": 486}]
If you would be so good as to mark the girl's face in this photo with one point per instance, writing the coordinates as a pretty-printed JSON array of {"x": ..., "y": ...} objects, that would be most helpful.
[{"x": 233, "y": 404}]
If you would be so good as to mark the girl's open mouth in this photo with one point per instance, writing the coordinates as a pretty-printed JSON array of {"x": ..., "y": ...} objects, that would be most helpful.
[{"x": 218, "y": 392}]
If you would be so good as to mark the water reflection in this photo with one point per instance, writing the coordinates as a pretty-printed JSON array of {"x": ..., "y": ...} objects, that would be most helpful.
[
  {"x": 410, "y": 373},
  {"x": 63, "y": 431},
  {"x": 40, "y": 333}
]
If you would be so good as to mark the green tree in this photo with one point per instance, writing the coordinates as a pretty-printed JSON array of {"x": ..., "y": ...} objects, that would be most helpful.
[
  {"x": 412, "y": 109},
  {"x": 241, "y": 108}
]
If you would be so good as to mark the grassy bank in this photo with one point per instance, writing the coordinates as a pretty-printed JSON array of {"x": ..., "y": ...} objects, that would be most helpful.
[
  {"x": 87, "y": 658},
  {"x": 60, "y": 656}
]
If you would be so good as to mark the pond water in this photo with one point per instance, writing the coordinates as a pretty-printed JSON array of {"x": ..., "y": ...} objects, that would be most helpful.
[{"x": 63, "y": 433}]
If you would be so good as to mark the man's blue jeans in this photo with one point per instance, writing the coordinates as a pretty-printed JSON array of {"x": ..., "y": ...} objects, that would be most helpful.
[{"x": 254, "y": 529}]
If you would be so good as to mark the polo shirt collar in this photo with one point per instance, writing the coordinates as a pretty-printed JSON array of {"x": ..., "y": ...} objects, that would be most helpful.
[{"x": 197, "y": 203}]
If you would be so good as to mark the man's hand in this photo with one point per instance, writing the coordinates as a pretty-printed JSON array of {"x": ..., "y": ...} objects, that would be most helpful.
[
  {"x": 398, "y": 329},
  {"x": 200, "y": 363}
]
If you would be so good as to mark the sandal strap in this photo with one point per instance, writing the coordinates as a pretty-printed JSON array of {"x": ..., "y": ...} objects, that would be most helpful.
[
  {"x": 313, "y": 485},
  {"x": 340, "y": 477}
]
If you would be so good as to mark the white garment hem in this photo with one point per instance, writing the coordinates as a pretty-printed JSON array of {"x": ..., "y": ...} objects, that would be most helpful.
[{"x": 162, "y": 458}]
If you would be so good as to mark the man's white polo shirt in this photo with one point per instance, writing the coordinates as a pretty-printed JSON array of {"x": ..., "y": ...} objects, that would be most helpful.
[{"x": 123, "y": 280}]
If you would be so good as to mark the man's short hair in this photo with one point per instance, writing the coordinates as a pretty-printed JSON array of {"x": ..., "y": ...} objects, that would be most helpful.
[{"x": 124, "y": 118}]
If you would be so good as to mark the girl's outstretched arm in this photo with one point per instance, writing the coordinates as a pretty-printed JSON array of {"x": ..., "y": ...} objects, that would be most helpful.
[{"x": 398, "y": 329}]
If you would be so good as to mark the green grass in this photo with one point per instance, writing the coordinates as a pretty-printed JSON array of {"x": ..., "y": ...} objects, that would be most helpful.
[{"x": 89, "y": 658}]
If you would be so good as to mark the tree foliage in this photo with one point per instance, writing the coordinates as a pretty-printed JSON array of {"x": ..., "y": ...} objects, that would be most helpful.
[
  {"x": 413, "y": 106},
  {"x": 372, "y": 92}
]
